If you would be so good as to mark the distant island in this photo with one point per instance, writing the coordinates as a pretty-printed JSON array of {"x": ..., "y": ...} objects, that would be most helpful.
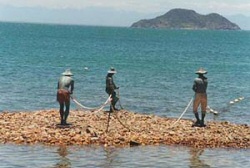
[{"x": 187, "y": 19}]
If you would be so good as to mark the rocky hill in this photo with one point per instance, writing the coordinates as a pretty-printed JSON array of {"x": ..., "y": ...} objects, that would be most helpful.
[{"x": 187, "y": 19}]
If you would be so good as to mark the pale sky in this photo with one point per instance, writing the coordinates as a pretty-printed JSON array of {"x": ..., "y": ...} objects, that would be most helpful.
[{"x": 146, "y": 7}]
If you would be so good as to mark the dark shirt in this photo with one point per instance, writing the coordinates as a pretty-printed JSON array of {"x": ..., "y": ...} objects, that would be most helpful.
[
  {"x": 110, "y": 85},
  {"x": 200, "y": 84}
]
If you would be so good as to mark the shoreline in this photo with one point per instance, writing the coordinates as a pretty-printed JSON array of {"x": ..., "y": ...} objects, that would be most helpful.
[{"x": 125, "y": 129}]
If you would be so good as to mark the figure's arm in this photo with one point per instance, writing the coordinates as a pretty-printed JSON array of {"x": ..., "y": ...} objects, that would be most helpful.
[
  {"x": 72, "y": 87},
  {"x": 194, "y": 87},
  {"x": 115, "y": 87}
]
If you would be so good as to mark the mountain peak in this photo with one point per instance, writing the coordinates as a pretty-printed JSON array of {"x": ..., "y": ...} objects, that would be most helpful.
[{"x": 187, "y": 19}]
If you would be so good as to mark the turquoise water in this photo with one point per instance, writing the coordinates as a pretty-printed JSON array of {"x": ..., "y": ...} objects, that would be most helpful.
[{"x": 155, "y": 71}]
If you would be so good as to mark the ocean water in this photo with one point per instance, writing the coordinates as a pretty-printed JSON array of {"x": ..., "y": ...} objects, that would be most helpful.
[
  {"x": 98, "y": 157},
  {"x": 156, "y": 69}
]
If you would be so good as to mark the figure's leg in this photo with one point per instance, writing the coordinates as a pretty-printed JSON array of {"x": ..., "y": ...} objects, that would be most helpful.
[
  {"x": 112, "y": 105},
  {"x": 202, "y": 119},
  {"x": 61, "y": 112},
  {"x": 115, "y": 100},
  {"x": 203, "y": 109},
  {"x": 66, "y": 114},
  {"x": 195, "y": 110}
]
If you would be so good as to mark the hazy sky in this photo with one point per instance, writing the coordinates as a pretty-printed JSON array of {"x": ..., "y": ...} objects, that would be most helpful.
[
  {"x": 113, "y": 12},
  {"x": 142, "y": 6}
]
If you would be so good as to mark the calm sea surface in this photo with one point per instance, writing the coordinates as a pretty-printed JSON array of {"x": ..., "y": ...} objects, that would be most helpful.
[{"x": 156, "y": 69}]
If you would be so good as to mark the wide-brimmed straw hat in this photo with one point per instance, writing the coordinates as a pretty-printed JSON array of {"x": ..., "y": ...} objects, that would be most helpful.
[
  {"x": 67, "y": 73},
  {"x": 112, "y": 70},
  {"x": 201, "y": 71}
]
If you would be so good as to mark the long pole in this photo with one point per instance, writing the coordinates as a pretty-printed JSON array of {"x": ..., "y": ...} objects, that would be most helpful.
[{"x": 108, "y": 122}]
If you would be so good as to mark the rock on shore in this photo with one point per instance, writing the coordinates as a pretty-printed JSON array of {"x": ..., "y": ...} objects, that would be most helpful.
[{"x": 125, "y": 129}]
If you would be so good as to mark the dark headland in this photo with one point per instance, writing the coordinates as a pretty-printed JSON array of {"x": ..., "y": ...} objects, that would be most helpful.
[{"x": 187, "y": 19}]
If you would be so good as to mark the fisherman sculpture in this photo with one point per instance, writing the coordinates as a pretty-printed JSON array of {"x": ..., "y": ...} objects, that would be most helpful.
[
  {"x": 110, "y": 89},
  {"x": 200, "y": 99},
  {"x": 65, "y": 88}
]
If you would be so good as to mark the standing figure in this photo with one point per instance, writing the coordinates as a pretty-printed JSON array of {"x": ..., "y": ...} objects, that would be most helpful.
[
  {"x": 64, "y": 89},
  {"x": 200, "y": 88},
  {"x": 110, "y": 89}
]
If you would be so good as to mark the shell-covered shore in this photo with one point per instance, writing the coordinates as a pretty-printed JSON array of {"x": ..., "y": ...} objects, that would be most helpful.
[{"x": 125, "y": 129}]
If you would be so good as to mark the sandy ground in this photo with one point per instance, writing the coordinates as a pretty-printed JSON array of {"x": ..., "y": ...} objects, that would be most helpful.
[{"x": 124, "y": 129}]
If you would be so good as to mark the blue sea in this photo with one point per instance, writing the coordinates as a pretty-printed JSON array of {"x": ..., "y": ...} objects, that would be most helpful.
[{"x": 155, "y": 73}]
